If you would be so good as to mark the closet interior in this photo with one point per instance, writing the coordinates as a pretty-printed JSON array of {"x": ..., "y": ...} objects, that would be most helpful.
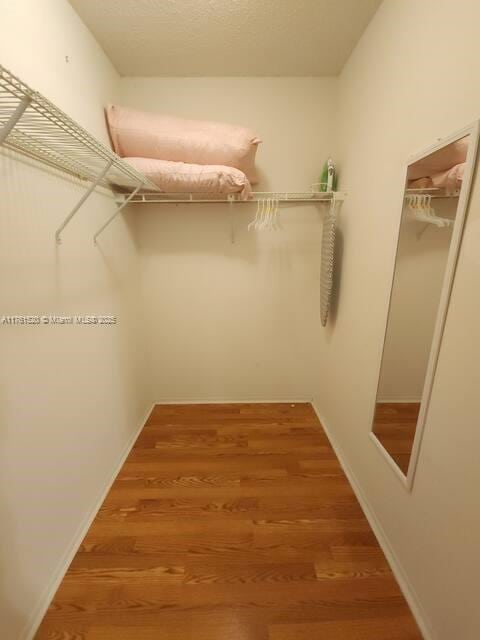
[{"x": 239, "y": 371}]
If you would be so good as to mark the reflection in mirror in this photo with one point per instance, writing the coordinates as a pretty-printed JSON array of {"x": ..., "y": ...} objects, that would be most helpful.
[{"x": 429, "y": 213}]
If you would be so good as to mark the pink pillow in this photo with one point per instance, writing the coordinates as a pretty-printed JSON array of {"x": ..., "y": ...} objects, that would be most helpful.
[
  {"x": 442, "y": 160},
  {"x": 178, "y": 177},
  {"x": 451, "y": 180},
  {"x": 150, "y": 135}
]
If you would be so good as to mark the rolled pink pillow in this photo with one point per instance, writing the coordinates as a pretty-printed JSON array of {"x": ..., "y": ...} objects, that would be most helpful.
[
  {"x": 450, "y": 180},
  {"x": 441, "y": 160},
  {"x": 180, "y": 177},
  {"x": 142, "y": 134}
]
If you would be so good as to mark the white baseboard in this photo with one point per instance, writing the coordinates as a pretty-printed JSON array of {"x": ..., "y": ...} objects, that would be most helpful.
[
  {"x": 36, "y": 618},
  {"x": 399, "y": 400},
  {"x": 397, "y": 570},
  {"x": 236, "y": 401}
]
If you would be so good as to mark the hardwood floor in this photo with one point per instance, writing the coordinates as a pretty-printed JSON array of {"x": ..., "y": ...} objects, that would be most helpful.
[
  {"x": 394, "y": 425},
  {"x": 230, "y": 522}
]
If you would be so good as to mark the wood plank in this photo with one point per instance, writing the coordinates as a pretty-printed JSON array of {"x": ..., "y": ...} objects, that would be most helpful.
[
  {"x": 227, "y": 574},
  {"x": 397, "y": 628},
  {"x": 193, "y": 628}
]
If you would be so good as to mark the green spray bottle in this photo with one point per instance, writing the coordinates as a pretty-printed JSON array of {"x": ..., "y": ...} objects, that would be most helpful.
[{"x": 328, "y": 177}]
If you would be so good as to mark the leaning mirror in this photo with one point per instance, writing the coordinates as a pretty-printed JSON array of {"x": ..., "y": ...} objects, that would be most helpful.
[{"x": 433, "y": 213}]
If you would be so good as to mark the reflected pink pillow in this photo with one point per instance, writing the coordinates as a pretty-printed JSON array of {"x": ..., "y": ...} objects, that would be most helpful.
[
  {"x": 150, "y": 135},
  {"x": 441, "y": 160},
  {"x": 450, "y": 180},
  {"x": 179, "y": 177}
]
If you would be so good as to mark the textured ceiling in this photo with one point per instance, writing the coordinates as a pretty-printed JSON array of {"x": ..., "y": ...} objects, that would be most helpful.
[{"x": 227, "y": 37}]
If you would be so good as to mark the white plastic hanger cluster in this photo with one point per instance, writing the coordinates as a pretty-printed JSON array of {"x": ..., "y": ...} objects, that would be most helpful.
[
  {"x": 266, "y": 216},
  {"x": 420, "y": 206}
]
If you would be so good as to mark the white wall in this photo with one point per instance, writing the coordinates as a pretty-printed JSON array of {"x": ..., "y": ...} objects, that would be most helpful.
[
  {"x": 71, "y": 396},
  {"x": 419, "y": 272},
  {"x": 237, "y": 321},
  {"x": 412, "y": 78}
]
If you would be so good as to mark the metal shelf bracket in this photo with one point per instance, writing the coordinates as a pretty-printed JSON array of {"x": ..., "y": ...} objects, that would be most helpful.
[
  {"x": 114, "y": 215},
  {"x": 14, "y": 118},
  {"x": 85, "y": 196}
]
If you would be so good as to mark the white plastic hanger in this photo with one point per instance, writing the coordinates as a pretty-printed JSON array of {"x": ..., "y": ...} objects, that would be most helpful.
[{"x": 253, "y": 223}]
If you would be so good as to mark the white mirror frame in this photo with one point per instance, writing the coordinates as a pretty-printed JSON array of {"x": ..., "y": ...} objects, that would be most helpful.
[{"x": 473, "y": 131}]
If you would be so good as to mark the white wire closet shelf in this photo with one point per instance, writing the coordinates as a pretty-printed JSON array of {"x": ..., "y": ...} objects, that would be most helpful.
[
  {"x": 331, "y": 198},
  {"x": 198, "y": 198},
  {"x": 434, "y": 192},
  {"x": 33, "y": 126}
]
